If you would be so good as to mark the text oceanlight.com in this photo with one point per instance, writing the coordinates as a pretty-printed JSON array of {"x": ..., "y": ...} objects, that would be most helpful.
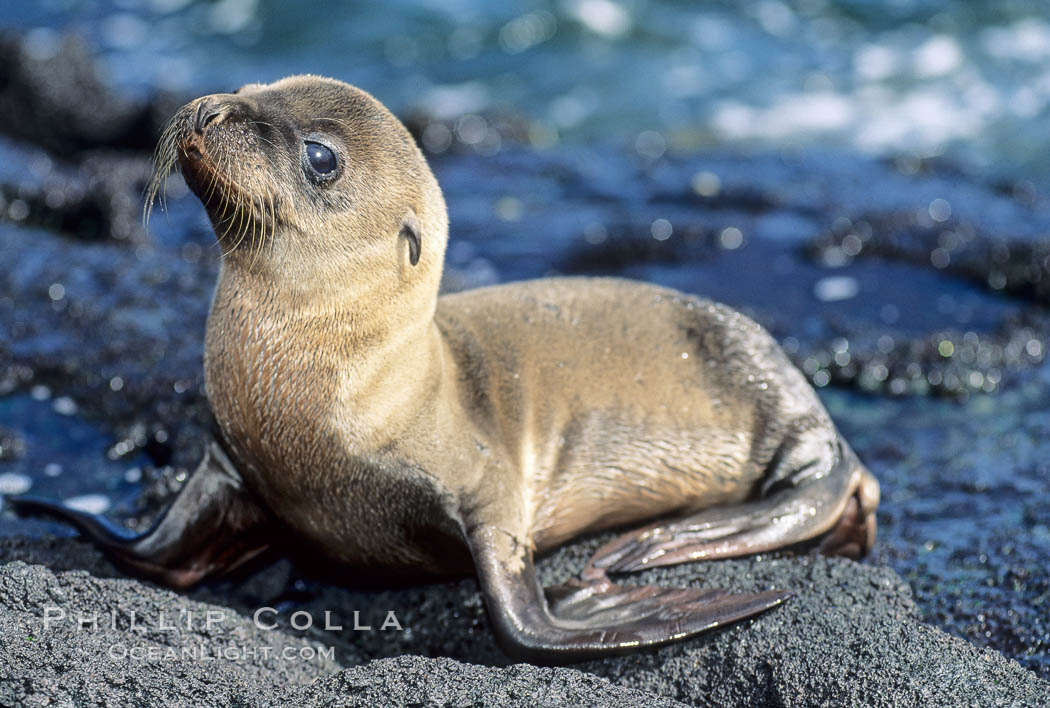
[{"x": 203, "y": 652}]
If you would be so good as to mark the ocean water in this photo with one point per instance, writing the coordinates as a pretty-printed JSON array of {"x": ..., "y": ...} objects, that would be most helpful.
[{"x": 968, "y": 80}]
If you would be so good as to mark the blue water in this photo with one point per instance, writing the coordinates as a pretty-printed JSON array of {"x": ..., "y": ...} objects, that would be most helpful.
[
  {"x": 969, "y": 80},
  {"x": 63, "y": 457}
]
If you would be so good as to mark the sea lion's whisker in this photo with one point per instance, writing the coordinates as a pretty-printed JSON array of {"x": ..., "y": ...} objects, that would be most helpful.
[
  {"x": 268, "y": 142},
  {"x": 334, "y": 120},
  {"x": 226, "y": 204},
  {"x": 229, "y": 224},
  {"x": 225, "y": 201},
  {"x": 240, "y": 212},
  {"x": 231, "y": 228},
  {"x": 164, "y": 159},
  {"x": 256, "y": 226},
  {"x": 213, "y": 181},
  {"x": 273, "y": 224}
]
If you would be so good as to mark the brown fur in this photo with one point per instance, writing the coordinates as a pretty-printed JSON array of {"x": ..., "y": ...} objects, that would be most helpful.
[{"x": 375, "y": 418}]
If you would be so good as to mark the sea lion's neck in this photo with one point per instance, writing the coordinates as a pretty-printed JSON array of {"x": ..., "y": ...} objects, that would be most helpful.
[
  {"x": 344, "y": 316},
  {"x": 344, "y": 356}
]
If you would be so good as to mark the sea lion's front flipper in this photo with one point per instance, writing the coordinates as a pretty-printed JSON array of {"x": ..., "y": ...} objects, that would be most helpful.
[
  {"x": 593, "y": 617},
  {"x": 212, "y": 526}
]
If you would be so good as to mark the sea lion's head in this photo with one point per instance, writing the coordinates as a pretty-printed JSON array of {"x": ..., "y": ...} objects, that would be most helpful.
[{"x": 311, "y": 180}]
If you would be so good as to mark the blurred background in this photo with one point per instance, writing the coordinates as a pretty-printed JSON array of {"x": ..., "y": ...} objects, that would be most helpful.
[
  {"x": 868, "y": 180},
  {"x": 927, "y": 77}
]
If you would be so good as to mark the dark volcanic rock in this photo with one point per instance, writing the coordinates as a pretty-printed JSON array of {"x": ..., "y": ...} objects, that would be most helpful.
[
  {"x": 86, "y": 175},
  {"x": 850, "y": 636},
  {"x": 1018, "y": 266},
  {"x": 963, "y": 517},
  {"x": 416, "y": 680},
  {"x": 98, "y": 199},
  {"x": 52, "y": 95},
  {"x": 12, "y": 446}
]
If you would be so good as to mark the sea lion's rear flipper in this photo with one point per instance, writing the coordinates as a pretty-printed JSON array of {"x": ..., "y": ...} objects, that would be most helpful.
[
  {"x": 593, "y": 617},
  {"x": 833, "y": 500},
  {"x": 212, "y": 526}
]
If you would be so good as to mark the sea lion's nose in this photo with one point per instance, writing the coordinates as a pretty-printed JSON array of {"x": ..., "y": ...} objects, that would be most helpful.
[{"x": 208, "y": 109}]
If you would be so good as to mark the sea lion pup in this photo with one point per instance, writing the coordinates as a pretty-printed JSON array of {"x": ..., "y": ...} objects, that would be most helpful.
[{"x": 398, "y": 432}]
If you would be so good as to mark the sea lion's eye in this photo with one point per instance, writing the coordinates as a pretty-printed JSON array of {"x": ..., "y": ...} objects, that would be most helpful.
[{"x": 320, "y": 158}]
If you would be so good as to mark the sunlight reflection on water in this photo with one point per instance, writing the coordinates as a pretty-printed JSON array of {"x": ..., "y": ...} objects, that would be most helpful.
[{"x": 966, "y": 79}]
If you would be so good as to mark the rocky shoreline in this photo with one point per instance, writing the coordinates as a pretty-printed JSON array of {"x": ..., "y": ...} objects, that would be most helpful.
[{"x": 850, "y": 636}]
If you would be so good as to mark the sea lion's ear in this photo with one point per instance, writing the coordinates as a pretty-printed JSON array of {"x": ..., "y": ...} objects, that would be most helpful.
[{"x": 410, "y": 232}]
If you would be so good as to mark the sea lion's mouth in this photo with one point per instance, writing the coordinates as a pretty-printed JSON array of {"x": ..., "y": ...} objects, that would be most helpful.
[
  {"x": 192, "y": 153},
  {"x": 202, "y": 176},
  {"x": 239, "y": 213},
  {"x": 220, "y": 192}
]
